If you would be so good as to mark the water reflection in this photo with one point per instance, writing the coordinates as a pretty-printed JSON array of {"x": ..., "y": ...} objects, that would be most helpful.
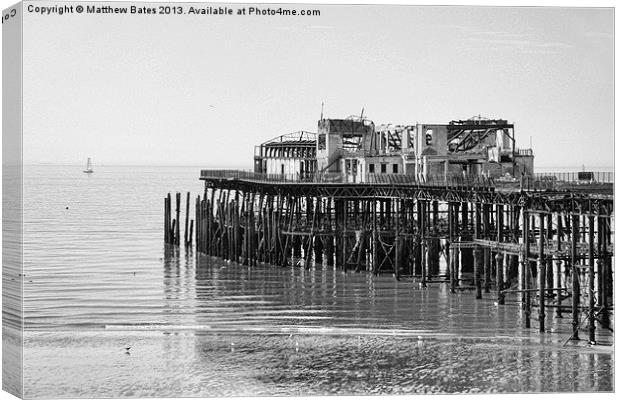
[
  {"x": 320, "y": 331},
  {"x": 321, "y": 296}
]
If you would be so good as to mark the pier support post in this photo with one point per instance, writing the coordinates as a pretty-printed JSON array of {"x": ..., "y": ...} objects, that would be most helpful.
[
  {"x": 422, "y": 230},
  {"x": 397, "y": 258},
  {"x": 417, "y": 251},
  {"x": 201, "y": 222},
  {"x": 375, "y": 239},
  {"x": 467, "y": 259},
  {"x": 289, "y": 218},
  {"x": 478, "y": 253},
  {"x": 449, "y": 252},
  {"x": 513, "y": 263},
  {"x": 209, "y": 207},
  {"x": 549, "y": 256},
  {"x": 457, "y": 253},
  {"x": 265, "y": 236},
  {"x": 433, "y": 254},
  {"x": 525, "y": 270},
  {"x": 575, "y": 276},
  {"x": 591, "y": 319},
  {"x": 499, "y": 258},
  {"x": 558, "y": 267},
  {"x": 318, "y": 242},
  {"x": 269, "y": 232},
  {"x": 329, "y": 239},
  {"x": 185, "y": 237},
  {"x": 542, "y": 274},
  {"x": 166, "y": 220},
  {"x": 398, "y": 219},
  {"x": 608, "y": 279},
  {"x": 177, "y": 236},
  {"x": 340, "y": 214},
  {"x": 602, "y": 293},
  {"x": 198, "y": 225},
  {"x": 486, "y": 251}
]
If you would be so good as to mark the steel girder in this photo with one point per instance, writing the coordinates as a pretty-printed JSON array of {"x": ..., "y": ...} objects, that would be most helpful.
[{"x": 536, "y": 202}]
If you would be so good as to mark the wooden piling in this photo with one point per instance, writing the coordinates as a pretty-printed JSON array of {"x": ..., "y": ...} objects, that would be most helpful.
[
  {"x": 166, "y": 229},
  {"x": 575, "y": 276},
  {"x": 397, "y": 257},
  {"x": 449, "y": 256},
  {"x": 486, "y": 251},
  {"x": 457, "y": 254},
  {"x": 525, "y": 270},
  {"x": 177, "y": 236},
  {"x": 169, "y": 220},
  {"x": 252, "y": 228},
  {"x": 185, "y": 236},
  {"x": 549, "y": 257},
  {"x": 542, "y": 275},
  {"x": 591, "y": 295},
  {"x": 478, "y": 253},
  {"x": 602, "y": 293},
  {"x": 418, "y": 239},
  {"x": 499, "y": 258},
  {"x": 558, "y": 267},
  {"x": 434, "y": 249},
  {"x": 608, "y": 282},
  {"x": 174, "y": 225},
  {"x": 375, "y": 239},
  {"x": 339, "y": 236},
  {"x": 467, "y": 258},
  {"x": 191, "y": 232},
  {"x": 422, "y": 228},
  {"x": 198, "y": 222}
]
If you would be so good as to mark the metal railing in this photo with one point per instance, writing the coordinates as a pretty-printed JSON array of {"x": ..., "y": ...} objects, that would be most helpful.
[
  {"x": 261, "y": 177},
  {"x": 337, "y": 177},
  {"x": 536, "y": 182},
  {"x": 524, "y": 152},
  {"x": 577, "y": 177}
]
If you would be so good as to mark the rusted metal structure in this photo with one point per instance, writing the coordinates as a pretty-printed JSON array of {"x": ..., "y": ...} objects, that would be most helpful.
[
  {"x": 294, "y": 154},
  {"x": 361, "y": 151}
]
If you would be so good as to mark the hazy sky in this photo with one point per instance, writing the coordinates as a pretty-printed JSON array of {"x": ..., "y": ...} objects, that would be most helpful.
[{"x": 205, "y": 89}]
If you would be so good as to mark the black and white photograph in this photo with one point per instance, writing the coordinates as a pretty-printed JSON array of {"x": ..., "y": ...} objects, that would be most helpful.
[{"x": 221, "y": 200}]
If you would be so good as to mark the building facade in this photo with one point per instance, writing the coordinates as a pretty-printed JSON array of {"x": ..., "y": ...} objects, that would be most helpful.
[{"x": 358, "y": 151}]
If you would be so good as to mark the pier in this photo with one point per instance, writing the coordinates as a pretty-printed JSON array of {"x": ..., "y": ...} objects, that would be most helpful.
[{"x": 547, "y": 241}]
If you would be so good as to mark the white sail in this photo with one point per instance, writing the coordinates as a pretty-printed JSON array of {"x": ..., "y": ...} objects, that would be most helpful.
[{"x": 89, "y": 166}]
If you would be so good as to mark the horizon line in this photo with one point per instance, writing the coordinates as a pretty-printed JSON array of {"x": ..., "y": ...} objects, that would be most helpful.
[{"x": 249, "y": 165}]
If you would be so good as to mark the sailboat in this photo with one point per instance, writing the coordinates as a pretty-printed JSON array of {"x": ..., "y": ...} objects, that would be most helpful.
[{"x": 89, "y": 166}]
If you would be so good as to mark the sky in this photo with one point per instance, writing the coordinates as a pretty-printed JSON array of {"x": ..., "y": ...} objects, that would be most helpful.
[{"x": 204, "y": 90}]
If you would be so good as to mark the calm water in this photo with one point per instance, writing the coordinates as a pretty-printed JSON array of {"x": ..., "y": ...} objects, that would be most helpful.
[{"x": 99, "y": 279}]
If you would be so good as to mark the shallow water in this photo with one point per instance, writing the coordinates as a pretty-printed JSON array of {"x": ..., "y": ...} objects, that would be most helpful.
[{"x": 99, "y": 279}]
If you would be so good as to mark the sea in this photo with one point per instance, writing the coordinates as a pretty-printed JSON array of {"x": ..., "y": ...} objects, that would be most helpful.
[{"x": 110, "y": 311}]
